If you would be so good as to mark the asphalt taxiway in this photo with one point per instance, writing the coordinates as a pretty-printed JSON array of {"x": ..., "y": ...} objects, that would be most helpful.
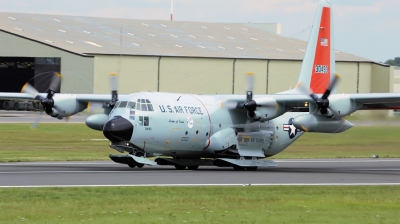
[{"x": 288, "y": 172}]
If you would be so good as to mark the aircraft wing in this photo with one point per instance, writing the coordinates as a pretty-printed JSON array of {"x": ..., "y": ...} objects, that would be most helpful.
[
  {"x": 377, "y": 101},
  {"x": 365, "y": 101},
  {"x": 79, "y": 97},
  {"x": 291, "y": 101},
  {"x": 5, "y": 96}
]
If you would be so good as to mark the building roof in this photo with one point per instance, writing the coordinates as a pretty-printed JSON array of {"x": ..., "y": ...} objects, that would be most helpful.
[{"x": 92, "y": 35}]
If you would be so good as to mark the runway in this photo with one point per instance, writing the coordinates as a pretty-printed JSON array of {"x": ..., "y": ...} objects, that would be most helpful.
[{"x": 288, "y": 172}]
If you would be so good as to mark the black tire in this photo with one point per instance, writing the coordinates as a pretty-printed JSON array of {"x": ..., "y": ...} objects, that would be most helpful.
[
  {"x": 178, "y": 167},
  {"x": 193, "y": 167},
  {"x": 6, "y": 106},
  {"x": 236, "y": 167},
  {"x": 251, "y": 168},
  {"x": 16, "y": 106},
  {"x": 139, "y": 165},
  {"x": 132, "y": 165}
]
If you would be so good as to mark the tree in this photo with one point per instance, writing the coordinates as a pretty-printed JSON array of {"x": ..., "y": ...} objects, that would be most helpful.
[{"x": 394, "y": 62}]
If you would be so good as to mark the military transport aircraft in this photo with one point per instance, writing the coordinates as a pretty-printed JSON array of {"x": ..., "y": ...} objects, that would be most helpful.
[{"x": 239, "y": 131}]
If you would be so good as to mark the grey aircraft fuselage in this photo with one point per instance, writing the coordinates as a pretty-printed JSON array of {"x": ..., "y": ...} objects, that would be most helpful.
[{"x": 183, "y": 125}]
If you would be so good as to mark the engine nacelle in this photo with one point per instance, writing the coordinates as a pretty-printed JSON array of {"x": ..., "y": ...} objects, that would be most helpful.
[
  {"x": 269, "y": 109},
  {"x": 221, "y": 140},
  {"x": 66, "y": 105},
  {"x": 318, "y": 123},
  {"x": 96, "y": 121},
  {"x": 53, "y": 112},
  {"x": 342, "y": 104}
]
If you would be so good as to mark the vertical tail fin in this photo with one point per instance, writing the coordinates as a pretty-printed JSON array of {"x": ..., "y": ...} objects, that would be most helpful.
[{"x": 318, "y": 66}]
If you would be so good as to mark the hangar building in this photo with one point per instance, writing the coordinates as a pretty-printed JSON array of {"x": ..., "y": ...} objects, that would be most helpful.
[{"x": 166, "y": 56}]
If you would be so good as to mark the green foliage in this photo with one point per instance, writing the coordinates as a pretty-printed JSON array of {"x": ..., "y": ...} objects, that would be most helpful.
[
  {"x": 395, "y": 62},
  {"x": 253, "y": 204}
]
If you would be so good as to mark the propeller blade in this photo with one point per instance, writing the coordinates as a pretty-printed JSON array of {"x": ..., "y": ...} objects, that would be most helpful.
[
  {"x": 230, "y": 104},
  {"x": 332, "y": 85},
  {"x": 36, "y": 122},
  {"x": 113, "y": 82},
  {"x": 28, "y": 88},
  {"x": 250, "y": 86},
  {"x": 250, "y": 81},
  {"x": 55, "y": 83},
  {"x": 113, "y": 87}
]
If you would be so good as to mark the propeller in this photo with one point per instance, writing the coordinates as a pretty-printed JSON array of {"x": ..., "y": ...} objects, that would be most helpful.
[
  {"x": 47, "y": 102},
  {"x": 323, "y": 101},
  {"x": 250, "y": 105}
]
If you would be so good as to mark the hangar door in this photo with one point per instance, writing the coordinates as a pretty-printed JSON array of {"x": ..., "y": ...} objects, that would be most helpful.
[{"x": 16, "y": 71}]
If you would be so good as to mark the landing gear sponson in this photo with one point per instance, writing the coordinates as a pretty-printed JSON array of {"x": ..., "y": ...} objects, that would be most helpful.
[{"x": 250, "y": 164}]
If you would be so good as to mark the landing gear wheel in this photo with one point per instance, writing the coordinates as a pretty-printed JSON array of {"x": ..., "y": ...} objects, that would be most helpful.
[
  {"x": 16, "y": 107},
  {"x": 236, "y": 167},
  {"x": 193, "y": 167},
  {"x": 139, "y": 165},
  {"x": 252, "y": 168},
  {"x": 6, "y": 106},
  {"x": 178, "y": 167},
  {"x": 132, "y": 165}
]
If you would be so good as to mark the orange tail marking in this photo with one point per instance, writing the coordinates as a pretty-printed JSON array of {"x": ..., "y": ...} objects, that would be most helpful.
[{"x": 321, "y": 70}]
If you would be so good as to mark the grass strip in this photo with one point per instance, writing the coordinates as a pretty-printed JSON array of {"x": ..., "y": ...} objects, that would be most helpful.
[
  {"x": 253, "y": 204},
  {"x": 77, "y": 142}
]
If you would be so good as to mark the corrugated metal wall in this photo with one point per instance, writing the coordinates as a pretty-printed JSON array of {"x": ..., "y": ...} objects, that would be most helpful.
[{"x": 190, "y": 75}]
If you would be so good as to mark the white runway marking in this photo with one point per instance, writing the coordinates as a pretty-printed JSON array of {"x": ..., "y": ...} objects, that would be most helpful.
[
  {"x": 78, "y": 171},
  {"x": 336, "y": 161},
  {"x": 205, "y": 185}
]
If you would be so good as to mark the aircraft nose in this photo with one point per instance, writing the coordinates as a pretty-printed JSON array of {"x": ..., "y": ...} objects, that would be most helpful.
[{"x": 118, "y": 129}]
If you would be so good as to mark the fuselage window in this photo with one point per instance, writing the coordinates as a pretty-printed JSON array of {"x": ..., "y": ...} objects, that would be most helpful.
[
  {"x": 144, "y": 121},
  {"x": 132, "y": 115},
  {"x": 122, "y": 104},
  {"x": 144, "y": 107},
  {"x": 150, "y": 107},
  {"x": 138, "y": 106}
]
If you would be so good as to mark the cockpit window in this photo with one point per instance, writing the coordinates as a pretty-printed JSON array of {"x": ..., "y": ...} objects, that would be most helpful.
[
  {"x": 131, "y": 105},
  {"x": 116, "y": 105},
  {"x": 122, "y": 104},
  {"x": 144, "y": 105}
]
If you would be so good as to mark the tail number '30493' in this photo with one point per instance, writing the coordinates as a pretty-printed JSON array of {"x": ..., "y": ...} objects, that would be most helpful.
[{"x": 321, "y": 69}]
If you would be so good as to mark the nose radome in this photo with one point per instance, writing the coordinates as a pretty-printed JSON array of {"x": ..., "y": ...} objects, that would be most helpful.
[{"x": 118, "y": 129}]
